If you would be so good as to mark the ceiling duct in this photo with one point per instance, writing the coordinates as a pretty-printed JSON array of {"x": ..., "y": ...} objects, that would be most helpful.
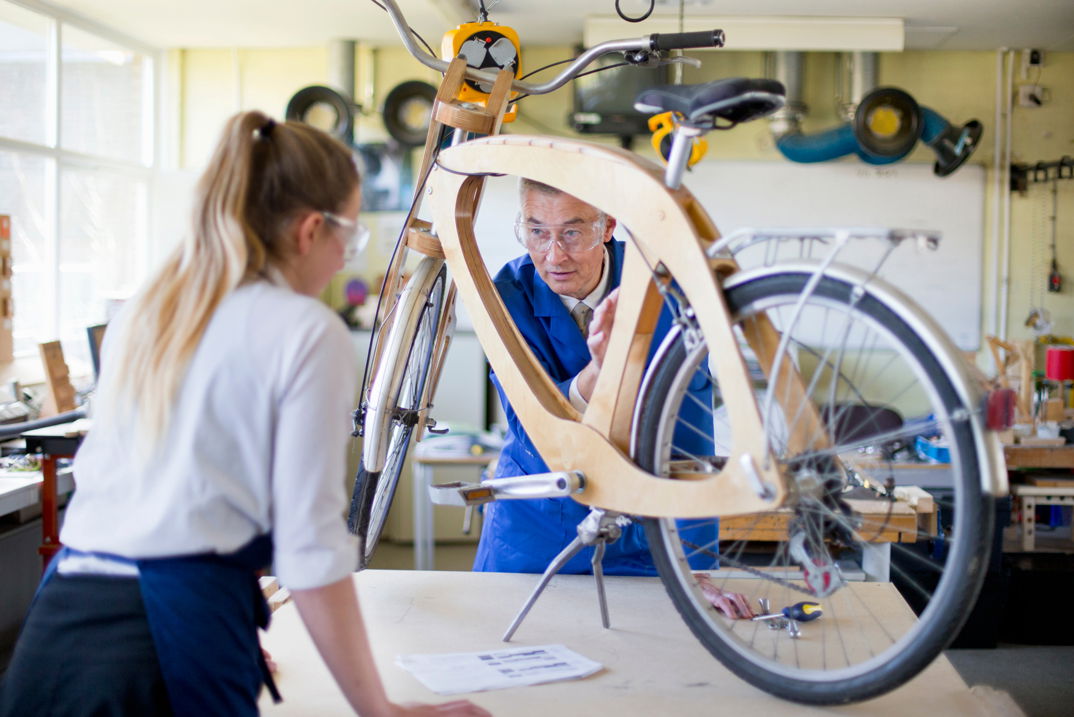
[
  {"x": 341, "y": 66},
  {"x": 881, "y": 124},
  {"x": 855, "y": 78},
  {"x": 787, "y": 68}
]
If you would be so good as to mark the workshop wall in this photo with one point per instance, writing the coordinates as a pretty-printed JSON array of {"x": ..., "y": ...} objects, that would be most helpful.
[{"x": 959, "y": 85}]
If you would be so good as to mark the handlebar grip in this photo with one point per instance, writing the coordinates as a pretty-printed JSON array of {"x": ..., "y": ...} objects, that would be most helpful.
[{"x": 686, "y": 40}]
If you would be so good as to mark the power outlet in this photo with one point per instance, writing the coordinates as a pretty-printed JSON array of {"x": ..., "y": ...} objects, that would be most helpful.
[
  {"x": 1030, "y": 95},
  {"x": 1031, "y": 59}
]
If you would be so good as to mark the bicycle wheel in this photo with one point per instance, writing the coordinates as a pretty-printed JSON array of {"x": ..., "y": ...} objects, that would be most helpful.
[
  {"x": 875, "y": 385},
  {"x": 374, "y": 491}
]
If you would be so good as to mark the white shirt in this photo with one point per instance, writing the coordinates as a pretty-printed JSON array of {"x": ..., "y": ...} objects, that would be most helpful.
[
  {"x": 591, "y": 300},
  {"x": 256, "y": 443}
]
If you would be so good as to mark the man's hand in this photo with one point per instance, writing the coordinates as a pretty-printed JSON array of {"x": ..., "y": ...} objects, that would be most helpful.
[
  {"x": 733, "y": 605},
  {"x": 269, "y": 662},
  {"x": 600, "y": 328}
]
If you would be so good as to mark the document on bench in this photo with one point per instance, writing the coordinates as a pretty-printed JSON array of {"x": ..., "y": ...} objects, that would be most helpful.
[{"x": 455, "y": 673}]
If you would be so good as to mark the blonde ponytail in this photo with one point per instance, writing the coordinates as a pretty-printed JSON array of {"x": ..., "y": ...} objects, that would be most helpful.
[{"x": 261, "y": 176}]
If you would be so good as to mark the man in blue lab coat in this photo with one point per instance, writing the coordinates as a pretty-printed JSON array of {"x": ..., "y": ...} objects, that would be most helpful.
[{"x": 562, "y": 292}]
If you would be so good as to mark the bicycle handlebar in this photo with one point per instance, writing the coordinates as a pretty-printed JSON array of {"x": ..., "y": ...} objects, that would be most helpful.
[
  {"x": 653, "y": 43},
  {"x": 686, "y": 40}
]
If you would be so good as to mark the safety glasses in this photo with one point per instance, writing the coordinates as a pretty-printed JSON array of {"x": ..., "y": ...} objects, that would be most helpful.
[
  {"x": 356, "y": 234},
  {"x": 572, "y": 238}
]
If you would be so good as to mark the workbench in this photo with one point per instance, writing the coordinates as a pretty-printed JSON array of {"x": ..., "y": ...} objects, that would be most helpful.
[
  {"x": 53, "y": 443},
  {"x": 23, "y": 490},
  {"x": 653, "y": 665}
]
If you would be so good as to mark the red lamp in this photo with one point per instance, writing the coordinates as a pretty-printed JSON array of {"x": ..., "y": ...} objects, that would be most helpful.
[{"x": 1059, "y": 363}]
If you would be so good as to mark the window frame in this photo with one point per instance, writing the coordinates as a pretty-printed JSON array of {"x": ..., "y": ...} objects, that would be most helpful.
[{"x": 58, "y": 159}]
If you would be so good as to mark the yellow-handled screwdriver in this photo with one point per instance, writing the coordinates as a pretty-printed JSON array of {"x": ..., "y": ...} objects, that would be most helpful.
[{"x": 801, "y": 611}]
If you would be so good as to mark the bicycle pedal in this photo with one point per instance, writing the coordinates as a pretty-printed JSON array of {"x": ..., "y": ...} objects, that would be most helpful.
[
  {"x": 542, "y": 485},
  {"x": 459, "y": 494},
  {"x": 430, "y": 426}
]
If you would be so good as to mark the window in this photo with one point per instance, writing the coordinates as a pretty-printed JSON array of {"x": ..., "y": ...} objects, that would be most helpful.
[
  {"x": 77, "y": 144},
  {"x": 24, "y": 42}
]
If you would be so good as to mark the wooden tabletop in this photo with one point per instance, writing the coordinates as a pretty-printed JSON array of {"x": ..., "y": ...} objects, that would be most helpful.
[{"x": 652, "y": 663}]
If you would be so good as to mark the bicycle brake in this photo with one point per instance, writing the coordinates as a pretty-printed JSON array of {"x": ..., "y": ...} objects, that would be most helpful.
[{"x": 358, "y": 417}]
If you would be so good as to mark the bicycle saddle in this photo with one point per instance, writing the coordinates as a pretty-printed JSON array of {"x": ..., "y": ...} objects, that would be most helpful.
[{"x": 735, "y": 99}]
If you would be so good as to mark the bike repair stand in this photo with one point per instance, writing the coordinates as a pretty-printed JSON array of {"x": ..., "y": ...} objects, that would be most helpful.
[{"x": 598, "y": 529}]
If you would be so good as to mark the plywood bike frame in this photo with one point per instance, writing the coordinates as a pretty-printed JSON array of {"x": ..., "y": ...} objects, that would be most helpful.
[{"x": 669, "y": 229}]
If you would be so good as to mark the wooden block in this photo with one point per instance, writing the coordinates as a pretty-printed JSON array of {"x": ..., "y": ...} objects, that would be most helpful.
[
  {"x": 1053, "y": 410},
  {"x": 61, "y": 393},
  {"x": 278, "y": 599},
  {"x": 269, "y": 585},
  {"x": 424, "y": 243},
  {"x": 917, "y": 498}
]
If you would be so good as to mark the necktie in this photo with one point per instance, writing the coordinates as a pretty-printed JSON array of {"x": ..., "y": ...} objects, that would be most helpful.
[{"x": 582, "y": 315}]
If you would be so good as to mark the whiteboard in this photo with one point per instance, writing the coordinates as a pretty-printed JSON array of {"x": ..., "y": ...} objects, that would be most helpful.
[{"x": 946, "y": 282}]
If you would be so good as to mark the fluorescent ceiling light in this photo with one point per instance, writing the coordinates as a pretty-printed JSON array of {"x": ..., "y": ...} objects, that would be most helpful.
[{"x": 769, "y": 33}]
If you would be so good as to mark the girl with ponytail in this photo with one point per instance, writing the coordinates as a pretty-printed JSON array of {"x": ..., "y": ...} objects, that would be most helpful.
[{"x": 218, "y": 448}]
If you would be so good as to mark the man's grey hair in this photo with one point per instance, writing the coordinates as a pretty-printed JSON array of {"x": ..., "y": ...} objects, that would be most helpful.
[{"x": 525, "y": 184}]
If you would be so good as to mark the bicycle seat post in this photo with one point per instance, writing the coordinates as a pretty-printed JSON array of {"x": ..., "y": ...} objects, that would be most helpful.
[{"x": 682, "y": 139}]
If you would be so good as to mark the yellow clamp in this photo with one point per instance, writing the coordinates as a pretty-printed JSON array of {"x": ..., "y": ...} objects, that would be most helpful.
[
  {"x": 485, "y": 45},
  {"x": 661, "y": 126}
]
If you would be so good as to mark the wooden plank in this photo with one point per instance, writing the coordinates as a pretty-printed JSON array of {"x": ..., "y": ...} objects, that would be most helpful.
[
  {"x": 878, "y": 524},
  {"x": 1022, "y": 456},
  {"x": 61, "y": 393},
  {"x": 420, "y": 239},
  {"x": 7, "y": 305},
  {"x": 917, "y": 498},
  {"x": 1043, "y": 491},
  {"x": 1053, "y": 481}
]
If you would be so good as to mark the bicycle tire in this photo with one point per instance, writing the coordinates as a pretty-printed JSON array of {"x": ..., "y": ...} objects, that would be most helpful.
[
  {"x": 810, "y": 669},
  {"x": 374, "y": 492}
]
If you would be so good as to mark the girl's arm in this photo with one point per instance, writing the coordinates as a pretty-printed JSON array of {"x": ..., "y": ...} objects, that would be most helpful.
[{"x": 334, "y": 621}]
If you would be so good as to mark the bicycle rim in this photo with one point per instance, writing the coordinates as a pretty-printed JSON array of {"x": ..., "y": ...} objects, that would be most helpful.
[
  {"x": 860, "y": 364},
  {"x": 375, "y": 492}
]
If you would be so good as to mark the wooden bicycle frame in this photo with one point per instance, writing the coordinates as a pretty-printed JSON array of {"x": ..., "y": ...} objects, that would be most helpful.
[{"x": 670, "y": 232}]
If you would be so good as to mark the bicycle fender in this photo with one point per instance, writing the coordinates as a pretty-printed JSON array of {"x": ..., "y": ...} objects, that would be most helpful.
[{"x": 388, "y": 377}]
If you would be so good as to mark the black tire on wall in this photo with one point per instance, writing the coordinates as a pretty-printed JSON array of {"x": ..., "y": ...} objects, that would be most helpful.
[{"x": 306, "y": 99}]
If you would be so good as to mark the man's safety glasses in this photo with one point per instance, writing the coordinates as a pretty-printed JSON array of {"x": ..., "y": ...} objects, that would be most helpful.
[{"x": 571, "y": 238}]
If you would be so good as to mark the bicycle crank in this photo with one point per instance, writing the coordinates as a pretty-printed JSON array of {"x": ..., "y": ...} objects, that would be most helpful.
[{"x": 559, "y": 484}]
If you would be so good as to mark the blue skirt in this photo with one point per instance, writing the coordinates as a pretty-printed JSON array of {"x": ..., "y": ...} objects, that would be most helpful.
[
  {"x": 187, "y": 623},
  {"x": 85, "y": 649}
]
